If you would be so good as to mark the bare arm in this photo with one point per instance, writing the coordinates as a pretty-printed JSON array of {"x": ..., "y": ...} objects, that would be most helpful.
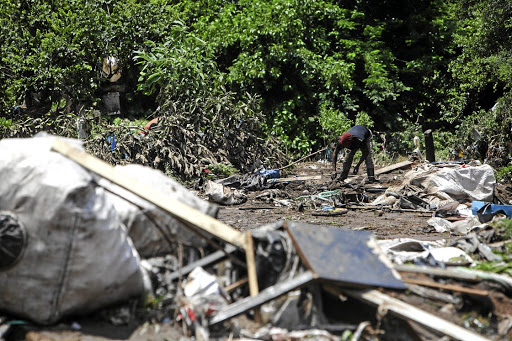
[{"x": 335, "y": 156}]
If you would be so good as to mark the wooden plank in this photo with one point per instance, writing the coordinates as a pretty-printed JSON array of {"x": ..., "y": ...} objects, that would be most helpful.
[
  {"x": 459, "y": 273},
  {"x": 450, "y": 273},
  {"x": 450, "y": 287},
  {"x": 434, "y": 294},
  {"x": 210, "y": 259},
  {"x": 411, "y": 313},
  {"x": 251, "y": 271},
  {"x": 393, "y": 167},
  {"x": 237, "y": 284},
  {"x": 388, "y": 209},
  {"x": 251, "y": 302},
  {"x": 172, "y": 206},
  {"x": 251, "y": 264}
]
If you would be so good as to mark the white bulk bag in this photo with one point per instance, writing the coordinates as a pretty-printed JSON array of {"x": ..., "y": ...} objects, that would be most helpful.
[
  {"x": 77, "y": 255},
  {"x": 152, "y": 230}
]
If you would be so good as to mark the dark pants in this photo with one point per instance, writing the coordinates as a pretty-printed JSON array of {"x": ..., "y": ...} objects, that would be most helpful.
[{"x": 366, "y": 146}]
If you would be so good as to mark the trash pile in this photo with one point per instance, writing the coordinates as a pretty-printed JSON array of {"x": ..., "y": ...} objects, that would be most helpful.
[{"x": 78, "y": 235}]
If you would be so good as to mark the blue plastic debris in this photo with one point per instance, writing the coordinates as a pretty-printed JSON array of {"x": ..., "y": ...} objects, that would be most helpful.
[
  {"x": 112, "y": 140},
  {"x": 483, "y": 207},
  {"x": 270, "y": 173}
]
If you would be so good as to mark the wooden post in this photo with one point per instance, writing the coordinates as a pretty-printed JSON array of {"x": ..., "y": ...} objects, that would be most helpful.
[
  {"x": 251, "y": 271},
  {"x": 430, "y": 150}
]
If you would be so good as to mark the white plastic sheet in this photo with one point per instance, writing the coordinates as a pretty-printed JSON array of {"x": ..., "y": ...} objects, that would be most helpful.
[{"x": 439, "y": 186}]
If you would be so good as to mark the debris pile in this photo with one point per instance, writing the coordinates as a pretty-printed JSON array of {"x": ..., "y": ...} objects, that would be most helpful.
[{"x": 285, "y": 280}]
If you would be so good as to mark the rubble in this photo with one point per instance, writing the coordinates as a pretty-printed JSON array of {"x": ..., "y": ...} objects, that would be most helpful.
[{"x": 290, "y": 279}]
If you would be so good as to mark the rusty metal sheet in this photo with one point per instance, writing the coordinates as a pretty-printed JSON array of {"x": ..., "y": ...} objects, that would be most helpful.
[{"x": 350, "y": 258}]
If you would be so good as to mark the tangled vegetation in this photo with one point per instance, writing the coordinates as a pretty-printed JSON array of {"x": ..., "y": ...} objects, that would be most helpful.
[{"x": 283, "y": 73}]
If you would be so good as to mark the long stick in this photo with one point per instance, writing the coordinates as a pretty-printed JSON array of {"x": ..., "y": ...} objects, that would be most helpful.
[{"x": 305, "y": 157}]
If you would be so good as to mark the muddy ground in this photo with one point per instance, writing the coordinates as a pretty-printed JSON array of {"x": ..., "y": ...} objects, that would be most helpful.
[{"x": 476, "y": 313}]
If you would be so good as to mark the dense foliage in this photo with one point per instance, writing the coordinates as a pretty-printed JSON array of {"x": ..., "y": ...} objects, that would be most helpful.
[{"x": 303, "y": 70}]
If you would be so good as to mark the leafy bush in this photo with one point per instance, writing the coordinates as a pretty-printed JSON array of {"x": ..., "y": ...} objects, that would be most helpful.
[
  {"x": 222, "y": 170},
  {"x": 504, "y": 174}
]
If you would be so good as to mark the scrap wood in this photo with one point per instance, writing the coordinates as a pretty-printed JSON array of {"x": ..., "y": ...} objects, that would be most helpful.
[
  {"x": 396, "y": 166},
  {"x": 332, "y": 213},
  {"x": 257, "y": 208},
  {"x": 434, "y": 294},
  {"x": 458, "y": 273},
  {"x": 270, "y": 293},
  {"x": 236, "y": 284},
  {"x": 451, "y": 287},
  {"x": 186, "y": 214},
  {"x": 390, "y": 209},
  {"x": 303, "y": 178},
  {"x": 452, "y": 273},
  {"x": 409, "y": 312}
]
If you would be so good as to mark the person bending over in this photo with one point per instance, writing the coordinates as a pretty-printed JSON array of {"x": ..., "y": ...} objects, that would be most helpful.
[{"x": 357, "y": 138}]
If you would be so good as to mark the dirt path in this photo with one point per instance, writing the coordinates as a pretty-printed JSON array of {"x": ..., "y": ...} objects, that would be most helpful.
[{"x": 384, "y": 224}]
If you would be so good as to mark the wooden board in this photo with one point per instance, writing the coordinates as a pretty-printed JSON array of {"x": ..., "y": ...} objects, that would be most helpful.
[
  {"x": 300, "y": 178},
  {"x": 393, "y": 167},
  {"x": 343, "y": 256},
  {"x": 203, "y": 262},
  {"x": 409, "y": 312},
  {"x": 172, "y": 206},
  {"x": 450, "y": 287}
]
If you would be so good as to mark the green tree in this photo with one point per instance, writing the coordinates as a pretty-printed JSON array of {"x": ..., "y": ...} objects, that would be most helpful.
[
  {"x": 313, "y": 63},
  {"x": 54, "y": 50}
]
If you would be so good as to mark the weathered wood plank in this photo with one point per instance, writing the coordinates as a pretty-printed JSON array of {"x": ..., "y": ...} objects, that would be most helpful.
[
  {"x": 409, "y": 312},
  {"x": 450, "y": 287},
  {"x": 172, "y": 206},
  {"x": 393, "y": 167}
]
